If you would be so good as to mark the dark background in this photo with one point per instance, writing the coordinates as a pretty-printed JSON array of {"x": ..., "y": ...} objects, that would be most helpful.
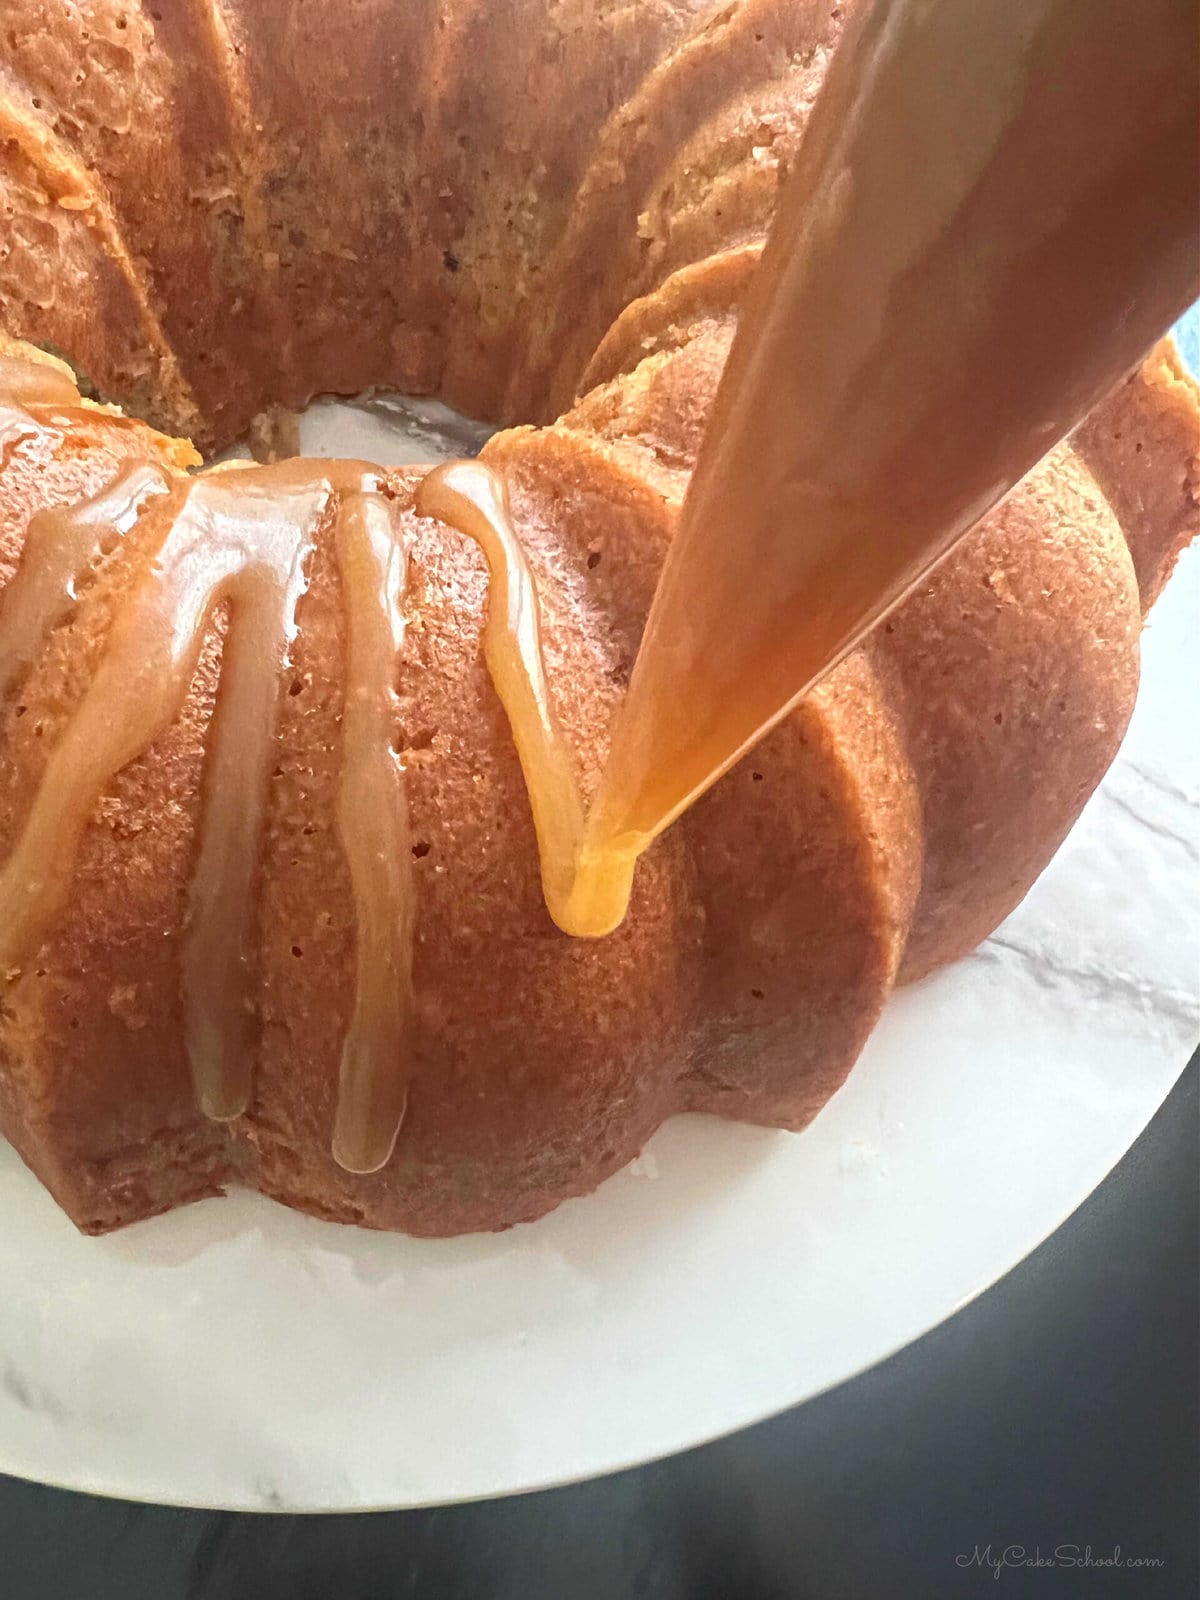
[{"x": 1061, "y": 1408}]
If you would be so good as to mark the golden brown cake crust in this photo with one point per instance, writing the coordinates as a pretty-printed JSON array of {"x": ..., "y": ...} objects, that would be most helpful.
[
  {"x": 885, "y": 828},
  {"x": 1142, "y": 445}
]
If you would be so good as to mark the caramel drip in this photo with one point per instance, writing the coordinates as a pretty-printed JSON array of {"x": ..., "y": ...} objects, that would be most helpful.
[
  {"x": 61, "y": 547},
  {"x": 243, "y": 542},
  {"x": 28, "y": 381},
  {"x": 25, "y": 381},
  {"x": 373, "y": 824},
  {"x": 135, "y": 695},
  {"x": 138, "y": 693},
  {"x": 238, "y": 538},
  {"x": 586, "y": 892},
  {"x": 245, "y": 539}
]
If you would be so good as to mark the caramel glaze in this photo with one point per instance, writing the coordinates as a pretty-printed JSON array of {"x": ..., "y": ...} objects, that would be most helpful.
[
  {"x": 24, "y": 383},
  {"x": 61, "y": 549},
  {"x": 240, "y": 539},
  {"x": 237, "y": 541},
  {"x": 586, "y": 894},
  {"x": 372, "y": 821},
  {"x": 39, "y": 395}
]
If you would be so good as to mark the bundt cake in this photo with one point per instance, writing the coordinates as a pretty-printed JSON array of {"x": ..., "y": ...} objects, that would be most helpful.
[{"x": 270, "y": 908}]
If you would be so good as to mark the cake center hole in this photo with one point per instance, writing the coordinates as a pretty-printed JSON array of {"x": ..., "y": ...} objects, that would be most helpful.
[{"x": 388, "y": 429}]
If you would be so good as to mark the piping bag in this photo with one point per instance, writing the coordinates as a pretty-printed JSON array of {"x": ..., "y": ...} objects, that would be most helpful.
[{"x": 994, "y": 212}]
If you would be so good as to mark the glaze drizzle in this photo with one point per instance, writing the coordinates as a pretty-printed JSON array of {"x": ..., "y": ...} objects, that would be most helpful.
[
  {"x": 61, "y": 547},
  {"x": 372, "y": 821},
  {"x": 586, "y": 887},
  {"x": 237, "y": 540},
  {"x": 243, "y": 539}
]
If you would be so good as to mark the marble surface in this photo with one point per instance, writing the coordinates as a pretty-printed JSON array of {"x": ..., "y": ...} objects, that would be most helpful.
[{"x": 236, "y": 1354}]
